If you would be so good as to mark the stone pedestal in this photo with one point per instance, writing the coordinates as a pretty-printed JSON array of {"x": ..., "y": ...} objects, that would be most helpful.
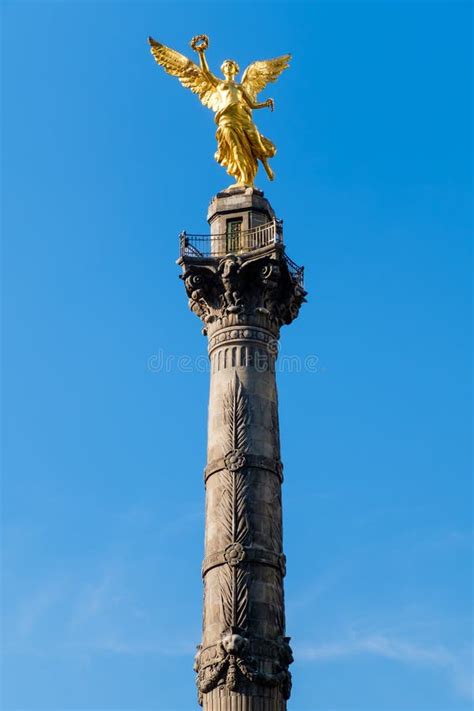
[{"x": 243, "y": 298}]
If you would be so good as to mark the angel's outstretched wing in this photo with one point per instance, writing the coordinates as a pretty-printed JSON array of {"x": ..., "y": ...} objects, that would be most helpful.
[
  {"x": 259, "y": 74},
  {"x": 189, "y": 74}
]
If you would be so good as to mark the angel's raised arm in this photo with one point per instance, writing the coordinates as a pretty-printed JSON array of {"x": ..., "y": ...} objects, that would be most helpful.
[
  {"x": 199, "y": 79},
  {"x": 204, "y": 65}
]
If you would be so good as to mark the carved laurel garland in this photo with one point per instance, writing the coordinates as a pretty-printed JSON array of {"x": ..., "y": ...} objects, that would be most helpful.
[
  {"x": 276, "y": 427},
  {"x": 236, "y": 416},
  {"x": 278, "y": 602},
  {"x": 276, "y": 532},
  {"x": 233, "y": 578},
  {"x": 236, "y": 660}
]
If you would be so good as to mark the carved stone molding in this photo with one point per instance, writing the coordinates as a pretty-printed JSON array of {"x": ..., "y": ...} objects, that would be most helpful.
[
  {"x": 230, "y": 335},
  {"x": 236, "y": 553},
  {"x": 252, "y": 461}
]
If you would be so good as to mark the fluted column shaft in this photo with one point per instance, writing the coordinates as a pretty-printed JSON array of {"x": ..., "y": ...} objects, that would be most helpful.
[
  {"x": 244, "y": 563},
  {"x": 243, "y": 299}
]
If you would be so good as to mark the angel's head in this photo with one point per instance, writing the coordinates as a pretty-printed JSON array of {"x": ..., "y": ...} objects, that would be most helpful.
[{"x": 230, "y": 68}]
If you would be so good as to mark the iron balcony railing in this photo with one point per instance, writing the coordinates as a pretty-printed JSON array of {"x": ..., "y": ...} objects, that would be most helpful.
[
  {"x": 240, "y": 242},
  {"x": 235, "y": 242},
  {"x": 296, "y": 272}
]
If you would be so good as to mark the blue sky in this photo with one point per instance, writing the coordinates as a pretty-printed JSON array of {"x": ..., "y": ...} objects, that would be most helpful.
[{"x": 106, "y": 159}]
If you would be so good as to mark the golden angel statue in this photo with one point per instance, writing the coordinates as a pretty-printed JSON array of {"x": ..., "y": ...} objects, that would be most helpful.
[{"x": 240, "y": 145}]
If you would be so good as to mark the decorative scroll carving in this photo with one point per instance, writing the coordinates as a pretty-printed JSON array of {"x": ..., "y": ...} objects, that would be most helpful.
[
  {"x": 202, "y": 288},
  {"x": 244, "y": 286}
]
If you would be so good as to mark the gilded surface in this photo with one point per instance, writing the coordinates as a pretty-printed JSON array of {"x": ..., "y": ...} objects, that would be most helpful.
[{"x": 240, "y": 145}]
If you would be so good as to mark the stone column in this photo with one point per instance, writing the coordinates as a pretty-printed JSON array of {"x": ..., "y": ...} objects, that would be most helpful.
[{"x": 243, "y": 298}]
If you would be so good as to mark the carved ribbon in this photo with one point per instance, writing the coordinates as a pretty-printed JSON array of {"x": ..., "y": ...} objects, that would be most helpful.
[
  {"x": 256, "y": 461},
  {"x": 235, "y": 554}
]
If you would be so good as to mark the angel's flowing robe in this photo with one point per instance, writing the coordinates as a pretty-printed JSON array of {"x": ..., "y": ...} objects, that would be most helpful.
[{"x": 240, "y": 145}]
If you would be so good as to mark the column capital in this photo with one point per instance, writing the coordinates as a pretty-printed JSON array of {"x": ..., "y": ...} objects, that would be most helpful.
[{"x": 254, "y": 288}]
